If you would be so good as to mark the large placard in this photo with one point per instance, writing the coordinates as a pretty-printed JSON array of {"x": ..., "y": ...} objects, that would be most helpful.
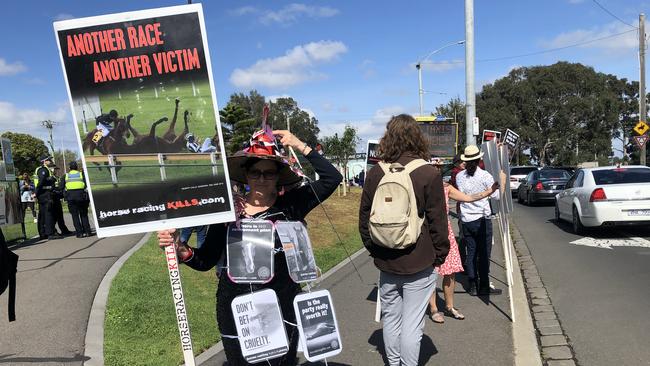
[
  {"x": 372, "y": 154},
  {"x": 8, "y": 159},
  {"x": 260, "y": 327},
  {"x": 146, "y": 77}
]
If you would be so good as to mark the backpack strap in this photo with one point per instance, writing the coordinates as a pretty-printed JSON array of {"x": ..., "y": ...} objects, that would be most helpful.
[
  {"x": 390, "y": 167},
  {"x": 414, "y": 164}
]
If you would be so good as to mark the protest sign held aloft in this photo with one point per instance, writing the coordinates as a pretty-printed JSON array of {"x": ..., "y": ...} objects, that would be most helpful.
[{"x": 146, "y": 72}]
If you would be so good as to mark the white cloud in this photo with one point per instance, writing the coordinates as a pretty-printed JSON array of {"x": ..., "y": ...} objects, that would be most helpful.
[
  {"x": 625, "y": 41},
  {"x": 295, "y": 67},
  {"x": 7, "y": 69},
  {"x": 292, "y": 12},
  {"x": 244, "y": 10},
  {"x": 368, "y": 129},
  {"x": 63, "y": 16},
  {"x": 28, "y": 121}
]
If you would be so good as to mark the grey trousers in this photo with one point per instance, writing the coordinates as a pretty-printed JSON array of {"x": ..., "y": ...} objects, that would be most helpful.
[{"x": 404, "y": 300}]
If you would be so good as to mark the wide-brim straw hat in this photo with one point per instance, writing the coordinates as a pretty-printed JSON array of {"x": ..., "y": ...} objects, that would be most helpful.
[
  {"x": 262, "y": 146},
  {"x": 471, "y": 152}
]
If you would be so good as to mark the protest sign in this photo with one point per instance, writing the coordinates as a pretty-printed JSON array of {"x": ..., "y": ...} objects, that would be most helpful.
[
  {"x": 504, "y": 183},
  {"x": 7, "y": 159},
  {"x": 490, "y": 135},
  {"x": 297, "y": 250},
  {"x": 511, "y": 139},
  {"x": 372, "y": 154},
  {"x": 317, "y": 325},
  {"x": 179, "y": 304},
  {"x": 146, "y": 78},
  {"x": 260, "y": 328},
  {"x": 250, "y": 251}
]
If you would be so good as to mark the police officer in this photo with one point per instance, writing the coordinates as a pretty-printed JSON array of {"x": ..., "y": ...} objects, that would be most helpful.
[
  {"x": 74, "y": 188},
  {"x": 45, "y": 183},
  {"x": 57, "y": 207}
]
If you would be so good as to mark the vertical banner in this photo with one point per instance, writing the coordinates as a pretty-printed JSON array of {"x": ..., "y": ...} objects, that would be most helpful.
[
  {"x": 317, "y": 325},
  {"x": 260, "y": 328},
  {"x": 297, "y": 251},
  {"x": 372, "y": 154},
  {"x": 8, "y": 159},
  {"x": 504, "y": 184},
  {"x": 250, "y": 251},
  {"x": 146, "y": 79},
  {"x": 511, "y": 139}
]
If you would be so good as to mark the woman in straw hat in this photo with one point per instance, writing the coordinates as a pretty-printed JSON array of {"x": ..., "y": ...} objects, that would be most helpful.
[
  {"x": 262, "y": 167},
  {"x": 452, "y": 264}
]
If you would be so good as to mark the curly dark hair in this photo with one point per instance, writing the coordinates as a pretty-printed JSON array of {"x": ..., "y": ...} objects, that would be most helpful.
[{"x": 402, "y": 135}]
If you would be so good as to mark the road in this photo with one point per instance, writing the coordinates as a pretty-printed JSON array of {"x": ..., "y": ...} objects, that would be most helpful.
[
  {"x": 601, "y": 295},
  {"x": 56, "y": 284}
]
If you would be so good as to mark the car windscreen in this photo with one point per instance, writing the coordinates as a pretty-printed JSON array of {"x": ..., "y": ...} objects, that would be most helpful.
[
  {"x": 554, "y": 174},
  {"x": 522, "y": 171},
  {"x": 621, "y": 176}
]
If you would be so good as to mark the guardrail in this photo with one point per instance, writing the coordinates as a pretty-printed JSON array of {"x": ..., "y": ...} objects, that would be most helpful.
[{"x": 112, "y": 162}]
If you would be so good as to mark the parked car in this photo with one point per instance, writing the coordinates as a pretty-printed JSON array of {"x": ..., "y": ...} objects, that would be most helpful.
[
  {"x": 542, "y": 185},
  {"x": 605, "y": 196},
  {"x": 517, "y": 174}
]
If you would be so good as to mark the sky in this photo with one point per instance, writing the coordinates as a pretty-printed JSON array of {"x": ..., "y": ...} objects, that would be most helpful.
[{"x": 345, "y": 62}]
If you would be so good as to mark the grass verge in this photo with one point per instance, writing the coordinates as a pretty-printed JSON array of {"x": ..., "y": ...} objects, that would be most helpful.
[{"x": 140, "y": 326}]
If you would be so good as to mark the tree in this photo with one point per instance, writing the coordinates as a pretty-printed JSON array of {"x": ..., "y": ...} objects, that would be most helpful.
[
  {"x": 339, "y": 149},
  {"x": 564, "y": 113},
  {"x": 242, "y": 116},
  {"x": 63, "y": 157},
  {"x": 27, "y": 151}
]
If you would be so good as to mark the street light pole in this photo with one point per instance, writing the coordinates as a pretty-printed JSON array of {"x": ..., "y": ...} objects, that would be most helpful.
[
  {"x": 419, "y": 67},
  {"x": 470, "y": 97}
]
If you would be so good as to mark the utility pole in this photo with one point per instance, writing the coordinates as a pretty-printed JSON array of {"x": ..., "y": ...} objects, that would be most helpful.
[
  {"x": 49, "y": 125},
  {"x": 420, "y": 91},
  {"x": 470, "y": 97},
  {"x": 642, "y": 105}
]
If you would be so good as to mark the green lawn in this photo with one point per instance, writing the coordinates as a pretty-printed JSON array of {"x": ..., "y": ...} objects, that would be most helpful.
[{"x": 140, "y": 311}]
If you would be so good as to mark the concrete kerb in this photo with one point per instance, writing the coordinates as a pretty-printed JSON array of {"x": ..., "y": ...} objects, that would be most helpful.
[
  {"x": 218, "y": 347},
  {"x": 553, "y": 341},
  {"x": 94, "y": 342}
]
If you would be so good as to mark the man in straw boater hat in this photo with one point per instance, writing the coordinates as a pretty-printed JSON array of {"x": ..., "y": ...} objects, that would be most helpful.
[
  {"x": 477, "y": 227},
  {"x": 275, "y": 194}
]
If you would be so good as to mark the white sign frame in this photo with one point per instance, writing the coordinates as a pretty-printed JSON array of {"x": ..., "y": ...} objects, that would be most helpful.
[{"x": 103, "y": 230}]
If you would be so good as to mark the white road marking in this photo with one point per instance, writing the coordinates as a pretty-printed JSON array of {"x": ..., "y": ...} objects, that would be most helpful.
[{"x": 634, "y": 241}]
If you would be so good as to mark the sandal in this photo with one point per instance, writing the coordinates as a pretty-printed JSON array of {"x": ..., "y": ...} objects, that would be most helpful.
[
  {"x": 437, "y": 317},
  {"x": 454, "y": 313}
]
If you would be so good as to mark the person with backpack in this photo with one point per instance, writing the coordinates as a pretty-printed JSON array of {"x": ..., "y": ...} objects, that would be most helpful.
[{"x": 403, "y": 224}]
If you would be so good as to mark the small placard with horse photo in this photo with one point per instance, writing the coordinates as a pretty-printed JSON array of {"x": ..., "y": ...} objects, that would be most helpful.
[{"x": 143, "y": 102}]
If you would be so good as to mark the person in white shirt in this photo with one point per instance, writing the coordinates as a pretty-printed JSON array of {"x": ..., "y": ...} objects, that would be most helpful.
[{"x": 477, "y": 227}]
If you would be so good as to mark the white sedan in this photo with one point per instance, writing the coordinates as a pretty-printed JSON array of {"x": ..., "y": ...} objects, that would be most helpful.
[{"x": 605, "y": 196}]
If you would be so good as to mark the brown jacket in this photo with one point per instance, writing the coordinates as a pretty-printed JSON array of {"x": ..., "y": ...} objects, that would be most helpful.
[{"x": 432, "y": 246}]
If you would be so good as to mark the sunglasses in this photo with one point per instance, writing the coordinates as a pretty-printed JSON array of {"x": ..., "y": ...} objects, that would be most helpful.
[{"x": 256, "y": 174}]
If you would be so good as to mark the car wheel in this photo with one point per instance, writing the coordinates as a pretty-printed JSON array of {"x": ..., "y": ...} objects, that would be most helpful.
[
  {"x": 529, "y": 200},
  {"x": 557, "y": 213},
  {"x": 578, "y": 228}
]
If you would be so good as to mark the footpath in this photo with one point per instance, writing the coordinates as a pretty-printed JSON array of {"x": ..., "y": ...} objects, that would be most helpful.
[
  {"x": 484, "y": 338},
  {"x": 56, "y": 285}
]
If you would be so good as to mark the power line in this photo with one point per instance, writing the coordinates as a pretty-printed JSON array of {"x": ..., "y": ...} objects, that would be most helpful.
[
  {"x": 612, "y": 14},
  {"x": 538, "y": 52}
]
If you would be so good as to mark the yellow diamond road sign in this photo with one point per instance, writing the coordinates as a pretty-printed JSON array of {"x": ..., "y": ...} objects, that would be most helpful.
[{"x": 641, "y": 128}]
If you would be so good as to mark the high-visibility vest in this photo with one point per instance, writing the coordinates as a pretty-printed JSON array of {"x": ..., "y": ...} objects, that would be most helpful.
[
  {"x": 35, "y": 178},
  {"x": 74, "y": 180}
]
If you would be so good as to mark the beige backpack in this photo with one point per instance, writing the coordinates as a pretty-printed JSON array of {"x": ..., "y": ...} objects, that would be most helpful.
[{"x": 394, "y": 220}]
